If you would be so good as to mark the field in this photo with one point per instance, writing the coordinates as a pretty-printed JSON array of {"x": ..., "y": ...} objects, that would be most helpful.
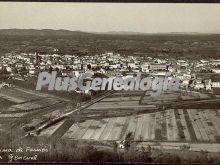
[
  {"x": 115, "y": 115},
  {"x": 21, "y": 106},
  {"x": 175, "y": 125},
  {"x": 145, "y": 122}
]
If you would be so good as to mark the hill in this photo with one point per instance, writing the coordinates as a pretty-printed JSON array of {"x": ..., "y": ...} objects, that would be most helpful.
[
  {"x": 173, "y": 45},
  {"x": 43, "y": 32}
]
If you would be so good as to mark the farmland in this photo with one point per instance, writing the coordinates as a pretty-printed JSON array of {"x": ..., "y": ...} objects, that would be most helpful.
[
  {"x": 113, "y": 116},
  {"x": 174, "y": 125},
  {"x": 120, "y": 113}
]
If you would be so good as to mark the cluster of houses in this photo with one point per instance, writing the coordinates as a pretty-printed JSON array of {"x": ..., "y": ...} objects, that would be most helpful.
[{"x": 113, "y": 64}]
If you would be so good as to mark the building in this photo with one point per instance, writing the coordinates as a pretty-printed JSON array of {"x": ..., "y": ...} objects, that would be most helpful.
[
  {"x": 208, "y": 84},
  {"x": 185, "y": 83},
  {"x": 216, "y": 70},
  {"x": 199, "y": 86},
  {"x": 145, "y": 68},
  {"x": 157, "y": 67},
  {"x": 215, "y": 84}
]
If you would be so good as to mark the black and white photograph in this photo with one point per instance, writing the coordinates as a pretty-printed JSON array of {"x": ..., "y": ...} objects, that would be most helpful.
[{"x": 109, "y": 82}]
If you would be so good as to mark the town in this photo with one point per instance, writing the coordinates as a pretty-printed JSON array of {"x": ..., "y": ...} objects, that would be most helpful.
[{"x": 194, "y": 75}]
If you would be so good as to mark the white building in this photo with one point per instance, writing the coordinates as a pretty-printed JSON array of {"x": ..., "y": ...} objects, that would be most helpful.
[
  {"x": 131, "y": 65},
  {"x": 185, "y": 83},
  {"x": 208, "y": 85},
  {"x": 8, "y": 69},
  {"x": 155, "y": 67},
  {"x": 145, "y": 68},
  {"x": 215, "y": 84},
  {"x": 199, "y": 86},
  {"x": 216, "y": 70}
]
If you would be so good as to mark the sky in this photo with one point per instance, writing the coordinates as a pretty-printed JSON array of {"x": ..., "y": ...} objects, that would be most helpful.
[{"x": 103, "y": 17}]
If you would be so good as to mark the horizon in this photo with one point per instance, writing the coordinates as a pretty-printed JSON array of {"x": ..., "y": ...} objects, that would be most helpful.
[
  {"x": 115, "y": 17},
  {"x": 115, "y": 32}
]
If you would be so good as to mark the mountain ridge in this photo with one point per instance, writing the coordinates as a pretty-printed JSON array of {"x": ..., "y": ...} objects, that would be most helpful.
[
  {"x": 64, "y": 32},
  {"x": 40, "y": 32}
]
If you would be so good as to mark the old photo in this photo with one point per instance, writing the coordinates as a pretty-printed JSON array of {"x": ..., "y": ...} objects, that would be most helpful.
[{"x": 109, "y": 82}]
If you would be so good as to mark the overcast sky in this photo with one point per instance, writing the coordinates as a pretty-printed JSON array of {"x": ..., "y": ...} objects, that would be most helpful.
[{"x": 102, "y": 17}]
